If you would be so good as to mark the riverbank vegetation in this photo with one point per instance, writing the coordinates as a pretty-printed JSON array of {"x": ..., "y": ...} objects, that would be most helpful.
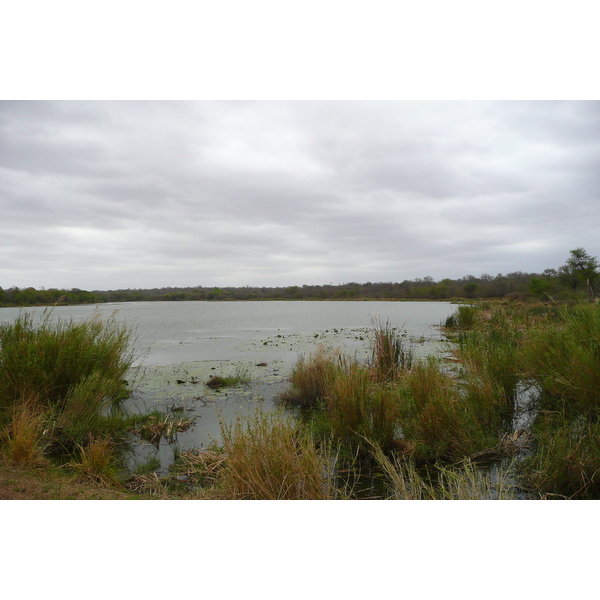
[
  {"x": 579, "y": 275},
  {"x": 510, "y": 409}
]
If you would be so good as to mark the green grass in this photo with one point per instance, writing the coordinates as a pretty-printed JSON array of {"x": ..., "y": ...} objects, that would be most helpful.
[{"x": 75, "y": 371}]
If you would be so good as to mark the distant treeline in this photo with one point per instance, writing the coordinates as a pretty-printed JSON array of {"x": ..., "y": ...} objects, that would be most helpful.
[{"x": 579, "y": 276}]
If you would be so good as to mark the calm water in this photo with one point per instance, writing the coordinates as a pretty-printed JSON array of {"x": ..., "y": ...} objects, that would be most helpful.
[{"x": 181, "y": 344}]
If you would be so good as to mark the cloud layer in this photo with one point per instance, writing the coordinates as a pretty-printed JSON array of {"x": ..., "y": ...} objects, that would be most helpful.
[{"x": 106, "y": 195}]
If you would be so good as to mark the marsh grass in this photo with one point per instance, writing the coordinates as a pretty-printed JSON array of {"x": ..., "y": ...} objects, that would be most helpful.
[
  {"x": 460, "y": 482},
  {"x": 76, "y": 371},
  {"x": 437, "y": 418},
  {"x": 311, "y": 378},
  {"x": 241, "y": 376},
  {"x": 564, "y": 359},
  {"x": 23, "y": 439},
  {"x": 269, "y": 457},
  {"x": 358, "y": 407},
  {"x": 157, "y": 425},
  {"x": 97, "y": 462},
  {"x": 567, "y": 461},
  {"x": 390, "y": 355}
]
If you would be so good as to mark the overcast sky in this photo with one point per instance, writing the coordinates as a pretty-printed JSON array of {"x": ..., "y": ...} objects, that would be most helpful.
[{"x": 106, "y": 195}]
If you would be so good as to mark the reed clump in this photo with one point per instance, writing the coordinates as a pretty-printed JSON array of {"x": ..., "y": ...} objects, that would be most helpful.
[
  {"x": 458, "y": 482},
  {"x": 97, "y": 462},
  {"x": 566, "y": 463},
  {"x": 75, "y": 371},
  {"x": 563, "y": 357},
  {"x": 311, "y": 378},
  {"x": 440, "y": 420},
  {"x": 270, "y": 457},
  {"x": 390, "y": 355},
  {"x": 24, "y": 442}
]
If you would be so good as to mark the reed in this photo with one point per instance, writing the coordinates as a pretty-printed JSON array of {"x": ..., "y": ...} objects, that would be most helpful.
[
  {"x": 390, "y": 355},
  {"x": 269, "y": 457},
  {"x": 563, "y": 357},
  {"x": 23, "y": 439},
  {"x": 312, "y": 377},
  {"x": 76, "y": 371},
  {"x": 358, "y": 408},
  {"x": 461, "y": 482},
  {"x": 566, "y": 463},
  {"x": 438, "y": 418},
  {"x": 97, "y": 462}
]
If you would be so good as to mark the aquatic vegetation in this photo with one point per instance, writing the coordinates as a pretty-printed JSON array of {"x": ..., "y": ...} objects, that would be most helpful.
[
  {"x": 50, "y": 359},
  {"x": 269, "y": 457},
  {"x": 390, "y": 356},
  {"x": 157, "y": 425},
  {"x": 241, "y": 376},
  {"x": 97, "y": 462},
  {"x": 76, "y": 371},
  {"x": 459, "y": 482},
  {"x": 24, "y": 442},
  {"x": 311, "y": 378},
  {"x": 566, "y": 463},
  {"x": 563, "y": 357}
]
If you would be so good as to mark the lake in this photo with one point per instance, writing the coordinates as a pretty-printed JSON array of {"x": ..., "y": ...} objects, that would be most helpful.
[{"x": 180, "y": 345}]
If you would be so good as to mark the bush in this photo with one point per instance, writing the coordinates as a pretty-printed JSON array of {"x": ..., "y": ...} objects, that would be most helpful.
[{"x": 75, "y": 371}]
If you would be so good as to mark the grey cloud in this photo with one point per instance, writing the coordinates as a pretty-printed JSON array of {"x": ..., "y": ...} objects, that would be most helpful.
[{"x": 143, "y": 194}]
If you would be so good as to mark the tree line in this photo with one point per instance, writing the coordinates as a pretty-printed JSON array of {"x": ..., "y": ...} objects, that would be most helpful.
[{"x": 578, "y": 277}]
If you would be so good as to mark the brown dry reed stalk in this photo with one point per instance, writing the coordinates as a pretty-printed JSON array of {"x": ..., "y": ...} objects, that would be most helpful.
[
  {"x": 462, "y": 482},
  {"x": 270, "y": 457},
  {"x": 97, "y": 462},
  {"x": 24, "y": 442}
]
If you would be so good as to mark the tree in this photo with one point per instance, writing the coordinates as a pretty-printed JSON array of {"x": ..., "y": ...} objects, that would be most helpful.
[{"x": 580, "y": 270}]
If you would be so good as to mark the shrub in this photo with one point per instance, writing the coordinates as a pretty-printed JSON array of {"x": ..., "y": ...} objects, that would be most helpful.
[{"x": 76, "y": 371}]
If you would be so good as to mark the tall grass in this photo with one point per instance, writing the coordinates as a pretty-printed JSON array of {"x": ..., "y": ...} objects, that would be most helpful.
[
  {"x": 311, "y": 378},
  {"x": 270, "y": 457},
  {"x": 438, "y": 418},
  {"x": 567, "y": 461},
  {"x": 23, "y": 437},
  {"x": 564, "y": 358},
  {"x": 461, "y": 482},
  {"x": 76, "y": 371},
  {"x": 390, "y": 355},
  {"x": 357, "y": 408},
  {"x": 97, "y": 462}
]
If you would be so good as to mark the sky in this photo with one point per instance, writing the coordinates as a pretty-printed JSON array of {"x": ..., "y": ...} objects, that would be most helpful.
[
  {"x": 144, "y": 194},
  {"x": 263, "y": 144}
]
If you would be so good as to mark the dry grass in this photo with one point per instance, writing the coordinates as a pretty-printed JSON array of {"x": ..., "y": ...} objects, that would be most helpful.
[
  {"x": 97, "y": 462},
  {"x": 269, "y": 457},
  {"x": 24, "y": 442}
]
